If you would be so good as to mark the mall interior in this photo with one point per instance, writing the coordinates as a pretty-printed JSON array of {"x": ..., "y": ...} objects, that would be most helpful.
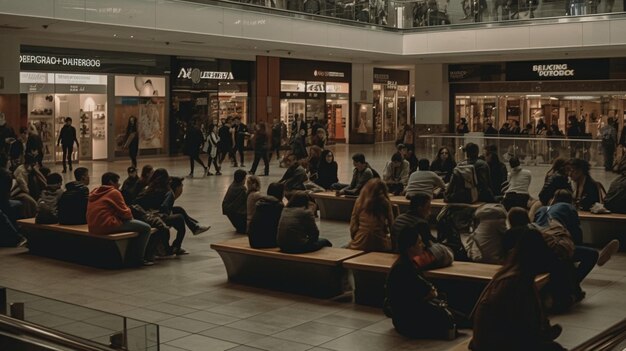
[{"x": 366, "y": 71}]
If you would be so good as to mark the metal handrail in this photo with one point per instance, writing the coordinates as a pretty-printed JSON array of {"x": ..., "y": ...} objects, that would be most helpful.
[
  {"x": 19, "y": 327},
  {"x": 508, "y": 137},
  {"x": 605, "y": 341}
]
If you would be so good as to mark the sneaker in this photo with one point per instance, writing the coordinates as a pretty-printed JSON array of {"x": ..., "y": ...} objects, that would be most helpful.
[
  {"x": 190, "y": 175},
  {"x": 209, "y": 173},
  {"x": 609, "y": 250},
  {"x": 243, "y": 166},
  {"x": 201, "y": 229},
  {"x": 218, "y": 173},
  {"x": 148, "y": 263},
  {"x": 22, "y": 242},
  {"x": 165, "y": 257},
  {"x": 180, "y": 251}
]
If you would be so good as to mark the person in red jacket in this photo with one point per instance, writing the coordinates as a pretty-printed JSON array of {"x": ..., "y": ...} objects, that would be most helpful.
[{"x": 107, "y": 213}]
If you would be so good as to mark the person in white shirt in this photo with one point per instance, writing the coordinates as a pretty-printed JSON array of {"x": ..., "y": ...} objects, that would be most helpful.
[
  {"x": 516, "y": 192},
  {"x": 423, "y": 181}
]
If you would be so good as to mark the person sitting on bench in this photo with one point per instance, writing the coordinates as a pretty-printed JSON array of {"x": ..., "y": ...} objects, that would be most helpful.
[
  {"x": 372, "y": 217},
  {"x": 73, "y": 202},
  {"x": 130, "y": 185},
  {"x": 396, "y": 174},
  {"x": 516, "y": 192},
  {"x": 586, "y": 189},
  {"x": 297, "y": 231},
  {"x": 424, "y": 181},
  {"x": 360, "y": 176},
  {"x": 235, "y": 201},
  {"x": 176, "y": 184},
  {"x": 615, "y": 200},
  {"x": 9, "y": 213},
  {"x": 294, "y": 176},
  {"x": 47, "y": 207},
  {"x": 107, "y": 213},
  {"x": 263, "y": 227},
  {"x": 253, "y": 184}
]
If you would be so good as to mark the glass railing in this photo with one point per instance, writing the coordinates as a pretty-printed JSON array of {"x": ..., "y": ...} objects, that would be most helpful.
[
  {"x": 530, "y": 150},
  {"x": 101, "y": 328},
  {"x": 407, "y": 14}
]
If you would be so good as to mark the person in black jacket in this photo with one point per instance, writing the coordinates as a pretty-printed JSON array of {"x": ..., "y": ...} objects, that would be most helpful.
[
  {"x": 67, "y": 138},
  {"x": 409, "y": 296},
  {"x": 73, "y": 203},
  {"x": 129, "y": 186},
  {"x": 241, "y": 132},
  {"x": 556, "y": 178},
  {"x": 261, "y": 149},
  {"x": 615, "y": 200},
  {"x": 586, "y": 189},
  {"x": 225, "y": 145},
  {"x": 327, "y": 170},
  {"x": 193, "y": 142},
  {"x": 34, "y": 147},
  {"x": 9, "y": 209},
  {"x": 234, "y": 205},
  {"x": 497, "y": 170},
  {"x": 443, "y": 164},
  {"x": 132, "y": 140},
  {"x": 264, "y": 224}
]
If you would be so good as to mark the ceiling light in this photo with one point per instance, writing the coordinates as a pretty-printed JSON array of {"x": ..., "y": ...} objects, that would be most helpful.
[
  {"x": 115, "y": 35},
  {"x": 132, "y": 36}
]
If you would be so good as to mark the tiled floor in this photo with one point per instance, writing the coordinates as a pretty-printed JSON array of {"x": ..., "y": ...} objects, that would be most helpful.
[{"x": 198, "y": 309}]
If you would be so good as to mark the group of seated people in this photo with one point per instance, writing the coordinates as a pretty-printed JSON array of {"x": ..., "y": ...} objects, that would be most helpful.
[
  {"x": 527, "y": 240},
  {"x": 141, "y": 204}
]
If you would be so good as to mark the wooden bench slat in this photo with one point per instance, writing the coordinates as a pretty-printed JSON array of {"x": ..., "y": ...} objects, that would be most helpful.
[
  {"x": 372, "y": 261},
  {"x": 588, "y": 216},
  {"x": 327, "y": 256},
  {"x": 80, "y": 229}
]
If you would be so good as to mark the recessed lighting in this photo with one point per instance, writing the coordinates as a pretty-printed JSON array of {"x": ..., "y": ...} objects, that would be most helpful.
[
  {"x": 132, "y": 36},
  {"x": 115, "y": 35}
]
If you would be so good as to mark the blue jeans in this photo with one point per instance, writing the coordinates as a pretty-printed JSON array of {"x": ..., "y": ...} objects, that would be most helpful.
[
  {"x": 137, "y": 247},
  {"x": 587, "y": 258}
]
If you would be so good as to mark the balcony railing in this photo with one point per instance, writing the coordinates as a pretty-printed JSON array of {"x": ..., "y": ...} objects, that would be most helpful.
[{"x": 409, "y": 14}]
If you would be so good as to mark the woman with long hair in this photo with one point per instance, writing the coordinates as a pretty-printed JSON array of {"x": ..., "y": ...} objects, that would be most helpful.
[
  {"x": 443, "y": 164},
  {"x": 509, "y": 314},
  {"x": 556, "y": 179},
  {"x": 132, "y": 140},
  {"x": 261, "y": 149},
  {"x": 315, "y": 154},
  {"x": 212, "y": 139},
  {"x": 326, "y": 170},
  {"x": 372, "y": 218}
]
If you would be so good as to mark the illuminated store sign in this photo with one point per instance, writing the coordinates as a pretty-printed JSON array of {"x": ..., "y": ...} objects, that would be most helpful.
[
  {"x": 196, "y": 75},
  {"x": 59, "y": 61},
  {"x": 318, "y": 73},
  {"x": 556, "y": 70}
]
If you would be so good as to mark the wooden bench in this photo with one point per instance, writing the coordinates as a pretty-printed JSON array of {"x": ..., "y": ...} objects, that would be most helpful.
[
  {"x": 74, "y": 243},
  {"x": 317, "y": 274},
  {"x": 599, "y": 229},
  {"x": 340, "y": 208},
  {"x": 462, "y": 281}
]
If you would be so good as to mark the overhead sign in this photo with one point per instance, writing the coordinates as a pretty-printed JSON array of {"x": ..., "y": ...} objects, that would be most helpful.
[
  {"x": 196, "y": 75},
  {"x": 59, "y": 61},
  {"x": 594, "y": 69},
  {"x": 318, "y": 73}
]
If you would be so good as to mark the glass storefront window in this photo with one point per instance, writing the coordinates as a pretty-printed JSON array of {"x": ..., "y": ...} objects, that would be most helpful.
[
  {"x": 292, "y": 85},
  {"x": 289, "y": 109}
]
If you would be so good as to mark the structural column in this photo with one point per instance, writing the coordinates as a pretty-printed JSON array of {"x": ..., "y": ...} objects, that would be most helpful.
[{"x": 267, "y": 92}]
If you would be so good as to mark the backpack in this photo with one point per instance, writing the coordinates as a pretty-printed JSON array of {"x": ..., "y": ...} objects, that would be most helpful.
[{"x": 463, "y": 186}]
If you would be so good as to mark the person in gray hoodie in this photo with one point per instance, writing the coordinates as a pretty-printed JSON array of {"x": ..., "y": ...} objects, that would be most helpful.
[
  {"x": 47, "y": 207},
  {"x": 484, "y": 245}
]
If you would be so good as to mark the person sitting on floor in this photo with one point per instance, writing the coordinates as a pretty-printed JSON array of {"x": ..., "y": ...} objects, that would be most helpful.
[
  {"x": 235, "y": 201},
  {"x": 253, "y": 184},
  {"x": 586, "y": 189},
  {"x": 396, "y": 174},
  {"x": 326, "y": 170},
  {"x": 73, "y": 202},
  {"x": 263, "y": 227},
  {"x": 107, "y": 213},
  {"x": 297, "y": 231},
  {"x": 360, "y": 176},
  {"x": 47, "y": 206},
  {"x": 509, "y": 315},
  {"x": 295, "y": 175},
  {"x": 372, "y": 218},
  {"x": 415, "y": 221},
  {"x": 411, "y": 299},
  {"x": 516, "y": 193},
  {"x": 158, "y": 196},
  {"x": 556, "y": 178},
  {"x": 484, "y": 244},
  {"x": 176, "y": 184},
  {"x": 615, "y": 200},
  {"x": 424, "y": 181}
]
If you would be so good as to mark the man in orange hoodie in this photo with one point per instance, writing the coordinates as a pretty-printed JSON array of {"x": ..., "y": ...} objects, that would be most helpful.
[{"x": 107, "y": 213}]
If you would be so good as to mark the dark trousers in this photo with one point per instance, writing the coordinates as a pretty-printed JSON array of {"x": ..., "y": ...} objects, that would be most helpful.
[
  {"x": 162, "y": 237},
  {"x": 609, "y": 154},
  {"x": 587, "y": 258},
  {"x": 67, "y": 155},
  {"x": 311, "y": 246},
  {"x": 193, "y": 158},
  {"x": 275, "y": 148},
  {"x": 257, "y": 157},
  {"x": 177, "y": 221},
  {"x": 133, "y": 149},
  {"x": 9, "y": 236},
  {"x": 227, "y": 150},
  {"x": 191, "y": 223},
  {"x": 213, "y": 160},
  {"x": 239, "y": 149},
  {"x": 239, "y": 221}
]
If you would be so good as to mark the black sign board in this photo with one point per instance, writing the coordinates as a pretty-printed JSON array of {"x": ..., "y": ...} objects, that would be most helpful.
[
  {"x": 206, "y": 74},
  {"x": 594, "y": 69},
  {"x": 476, "y": 73},
  {"x": 391, "y": 76},
  {"x": 322, "y": 71}
]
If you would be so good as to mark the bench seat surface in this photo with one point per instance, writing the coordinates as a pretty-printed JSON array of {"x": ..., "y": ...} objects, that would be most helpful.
[
  {"x": 329, "y": 256},
  {"x": 586, "y": 215},
  {"x": 396, "y": 199},
  {"x": 79, "y": 229}
]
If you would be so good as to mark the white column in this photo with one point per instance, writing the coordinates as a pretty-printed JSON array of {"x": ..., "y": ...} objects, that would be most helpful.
[{"x": 431, "y": 94}]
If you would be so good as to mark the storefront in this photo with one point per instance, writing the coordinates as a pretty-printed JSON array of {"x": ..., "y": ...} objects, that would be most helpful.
[
  {"x": 316, "y": 90},
  {"x": 529, "y": 92},
  {"x": 391, "y": 103},
  {"x": 100, "y": 91},
  {"x": 210, "y": 90}
]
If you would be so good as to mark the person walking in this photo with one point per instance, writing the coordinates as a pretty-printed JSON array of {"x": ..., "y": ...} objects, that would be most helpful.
[
  {"x": 609, "y": 143},
  {"x": 213, "y": 141},
  {"x": 277, "y": 136},
  {"x": 225, "y": 145},
  {"x": 132, "y": 140},
  {"x": 241, "y": 132},
  {"x": 193, "y": 142},
  {"x": 67, "y": 138},
  {"x": 260, "y": 149}
]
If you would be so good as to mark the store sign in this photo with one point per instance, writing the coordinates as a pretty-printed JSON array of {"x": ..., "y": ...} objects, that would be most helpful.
[
  {"x": 39, "y": 82},
  {"x": 319, "y": 73},
  {"x": 59, "y": 61},
  {"x": 476, "y": 73},
  {"x": 391, "y": 77},
  {"x": 196, "y": 75},
  {"x": 596, "y": 69}
]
